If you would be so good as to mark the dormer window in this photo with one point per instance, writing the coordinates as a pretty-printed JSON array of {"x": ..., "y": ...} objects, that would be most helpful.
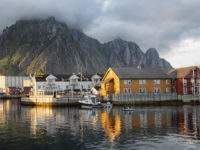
[
  {"x": 95, "y": 80},
  {"x": 74, "y": 80},
  {"x": 50, "y": 80}
]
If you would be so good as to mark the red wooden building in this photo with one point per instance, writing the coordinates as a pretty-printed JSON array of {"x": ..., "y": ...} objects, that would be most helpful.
[{"x": 186, "y": 80}]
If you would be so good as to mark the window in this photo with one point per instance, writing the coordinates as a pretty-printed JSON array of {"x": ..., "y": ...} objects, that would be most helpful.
[
  {"x": 185, "y": 81},
  {"x": 192, "y": 89},
  {"x": 73, "y": 80},
  {"x": 192, "y": 80},
  {"x": 50, "y": 80},
  {"x": 127, "y": 81},
  {"x": 173, "y": 90},
  {"x": 127, "y": 90},
  {"x": 173, "y": 82},
  {"x": 167, "y": 81},
  {"x": 96, "y": 80},
  {"x": 167, "y": 90},
  {"x": 142, "y": 81},
  {"x": 185, "y": 90},
  {"x": 156, "y": 90},
  {"x": 142, "y": 90},
  {"x": 156, "y": 81}
]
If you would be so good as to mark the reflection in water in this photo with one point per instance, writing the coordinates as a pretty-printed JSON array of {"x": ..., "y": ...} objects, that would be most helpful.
[
  {"x": 111, "y": 125},
  {"x": 74, "y": 128}
]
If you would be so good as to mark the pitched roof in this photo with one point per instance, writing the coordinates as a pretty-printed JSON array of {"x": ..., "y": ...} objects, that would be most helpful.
[
  {"x": 181, "y": 72},
  {"x": 64, "y": 77},
  {"x": 134, "y": 73}
]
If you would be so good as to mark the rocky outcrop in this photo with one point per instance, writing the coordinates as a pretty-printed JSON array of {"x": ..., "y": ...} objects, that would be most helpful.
[
  {"x": 153, "y": 60},
  {"x": 122, "y": 53}
]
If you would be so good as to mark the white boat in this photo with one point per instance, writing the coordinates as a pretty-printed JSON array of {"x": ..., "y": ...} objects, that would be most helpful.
[{"x": 89, "y": 101}]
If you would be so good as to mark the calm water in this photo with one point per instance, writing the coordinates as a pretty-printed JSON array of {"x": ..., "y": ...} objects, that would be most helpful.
[{"x": 174, "y": 128}]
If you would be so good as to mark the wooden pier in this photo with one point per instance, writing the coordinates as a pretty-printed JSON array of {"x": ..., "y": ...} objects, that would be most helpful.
[{"x": 46, "y": 100}]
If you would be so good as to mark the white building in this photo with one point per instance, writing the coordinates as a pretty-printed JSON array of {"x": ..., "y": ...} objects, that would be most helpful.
[
  {"x": 48, "y": 84},
  {"x": 12, "y": 81}
]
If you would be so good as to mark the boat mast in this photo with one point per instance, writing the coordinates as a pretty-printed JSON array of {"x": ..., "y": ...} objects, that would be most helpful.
[
  {"x": 193, "y": 83},
  {"x": 81, "y": 81}
]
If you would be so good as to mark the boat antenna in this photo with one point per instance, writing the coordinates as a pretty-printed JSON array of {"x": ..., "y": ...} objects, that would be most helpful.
[{"x": 81, "y": 80}]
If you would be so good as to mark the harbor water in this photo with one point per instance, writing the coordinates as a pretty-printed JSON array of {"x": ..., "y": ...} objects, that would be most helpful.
[{"x": 58, "y": 128}]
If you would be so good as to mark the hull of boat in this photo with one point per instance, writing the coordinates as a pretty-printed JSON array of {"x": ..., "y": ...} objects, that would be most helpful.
[
  {"x": 89, "y": 106},
  {"x": 86, "y": 106}
]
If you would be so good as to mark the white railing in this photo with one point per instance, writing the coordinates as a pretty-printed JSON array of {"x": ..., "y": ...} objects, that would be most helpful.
[{"x": 143, "y": 97}]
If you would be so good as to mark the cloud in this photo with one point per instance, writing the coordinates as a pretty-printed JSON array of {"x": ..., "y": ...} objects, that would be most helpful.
[
  {"x": 186, "y": 53},
  {"x": 150, "y": 23}
]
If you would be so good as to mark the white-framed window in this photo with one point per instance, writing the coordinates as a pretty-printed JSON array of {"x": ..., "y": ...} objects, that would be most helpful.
[
  {"x": 185, "y": 81},
  {"x": 127, "y": 90},
  {"x": 185, "y": 90},
  {"x": 167, "y": 81},
  {"x": 167, "y": 90},
  {"x": 50, "y": 80},
  {"x": 192, "y": 80},
  {"x": 156, "y": 90},
  {"x": 73, "y": 80},
  {"x": 142, "y": 90},
  {"x": 156, "y": 81},
  {"x": 127, "y": 81},
  {"x": 192, "y": 89},
  {"x": 96, "y": 80},
  {"x": 142, "y": 81}
]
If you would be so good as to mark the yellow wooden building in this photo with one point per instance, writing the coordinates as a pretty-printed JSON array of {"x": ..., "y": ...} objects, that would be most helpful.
[{"x": 133, "y": 80}]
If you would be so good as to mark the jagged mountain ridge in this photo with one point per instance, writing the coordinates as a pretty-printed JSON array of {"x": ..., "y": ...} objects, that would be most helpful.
[{"x": 52, "y": 47}]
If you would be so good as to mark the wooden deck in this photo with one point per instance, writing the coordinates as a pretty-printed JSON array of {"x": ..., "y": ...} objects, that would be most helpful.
[{"x": 50, "y": 101}]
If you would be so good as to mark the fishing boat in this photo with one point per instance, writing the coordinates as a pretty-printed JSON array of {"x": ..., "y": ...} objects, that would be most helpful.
[{"x": 89, "y": 101}]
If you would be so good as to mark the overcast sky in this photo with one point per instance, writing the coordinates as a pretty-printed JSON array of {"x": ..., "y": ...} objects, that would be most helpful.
[{"x": 170, "y": 26}]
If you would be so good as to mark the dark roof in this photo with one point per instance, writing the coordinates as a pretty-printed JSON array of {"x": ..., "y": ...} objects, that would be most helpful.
[
  {"x": 61, "y": 77},
  {"x": 88, "y": 77},
  {"x": 134, "y": 73},
  {"x": 41, "y": 78}
]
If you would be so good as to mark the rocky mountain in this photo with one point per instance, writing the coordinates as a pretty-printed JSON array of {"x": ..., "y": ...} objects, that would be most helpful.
[
  {"x": 52, "y": 47},
  {"x": 122, "y": 53}
]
